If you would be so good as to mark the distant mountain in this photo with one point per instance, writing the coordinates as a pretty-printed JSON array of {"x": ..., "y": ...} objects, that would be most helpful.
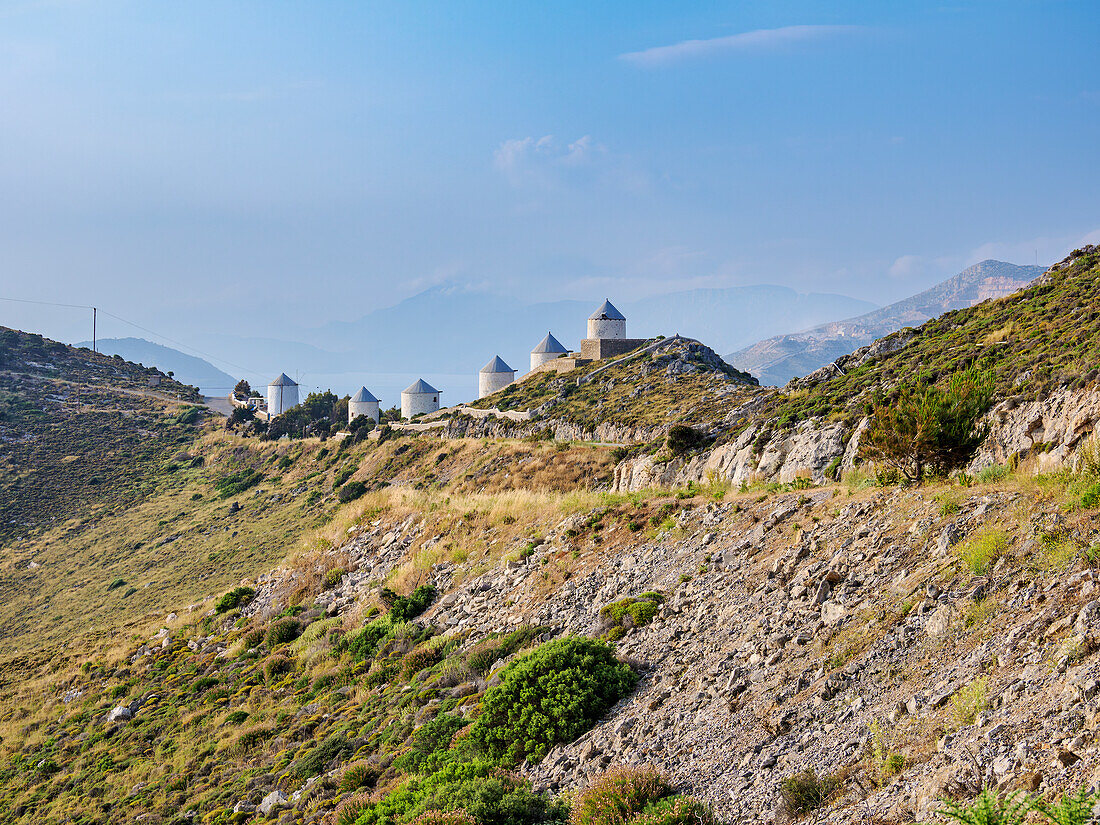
[
  {"x": 778, "y": 359},
  {"x": 455, "y": 330},
  {"x": 187, "y": 369}
]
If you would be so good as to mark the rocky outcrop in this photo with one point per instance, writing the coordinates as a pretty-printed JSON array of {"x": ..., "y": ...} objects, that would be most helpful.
[{"x": 1051, "y": 430}]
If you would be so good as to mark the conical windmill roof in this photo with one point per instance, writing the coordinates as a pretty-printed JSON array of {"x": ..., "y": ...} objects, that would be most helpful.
[
  {"x": 421, "y": 387},
  {"x": 497, "y": 365},
  {"x": 607, "y": 310},
  {"x": 364, "y": 396},
  {"x": 549, "y": 344},
  {"x": 283, "y": 380}
]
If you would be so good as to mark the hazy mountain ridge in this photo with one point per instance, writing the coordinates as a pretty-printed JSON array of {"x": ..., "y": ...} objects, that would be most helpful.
[
  {"x": 187, "y": 369},
  {"x": 777, "y": 359}
]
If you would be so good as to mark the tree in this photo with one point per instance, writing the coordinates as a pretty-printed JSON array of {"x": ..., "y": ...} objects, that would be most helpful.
[
  {"x": 929, "y": 428},
  {"x": 243, "y": 389}
]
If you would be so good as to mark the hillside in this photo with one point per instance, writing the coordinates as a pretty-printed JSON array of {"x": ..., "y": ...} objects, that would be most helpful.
[
  {"x": 511, "y": 629},
  {"x": 675, "y": 380},
  {"x": 778, "y": 359},
  {"x": 187, "y": 369}
]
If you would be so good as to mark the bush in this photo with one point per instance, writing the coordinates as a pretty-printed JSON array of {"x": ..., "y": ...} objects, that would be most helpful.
[
  {"x": 238, "y": 482},
  {"x": 458, "y": 817},
  {"x": 805, "y": 792},
  {"x": 351, "y": 491},
  {"x": 313, "y": 761},
  {"x": 407, "y": 608},
  {"x": 349, "y": 810},
  {"x": 486, "y": 793},
  {"x": 978, "y": 553},
  {"x": 234, "y": 598},
  {"x": 990, "y": 809},
  {"x": 968, "y": 703},
  {"x": 929, "y": 428},
  {"x": 421, "y": 657},
  {"x": 430, "y": 740},
  {"x": 551, "y": 695},
  {"x": 634, "y": 611},
  {"x": 682, "y": 439},
  {"x": 283, "y": 631},
  {"x": 618, "y": 795},
  {"x": 364, "y": 642},
  {"x": 277, "y": 666},
  {"x": 359, "y": 775}
]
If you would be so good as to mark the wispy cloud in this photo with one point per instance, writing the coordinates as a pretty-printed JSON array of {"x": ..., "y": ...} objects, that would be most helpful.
[
  {"x": 542, "y": 159},
  {"x": 758, "y": 40}
]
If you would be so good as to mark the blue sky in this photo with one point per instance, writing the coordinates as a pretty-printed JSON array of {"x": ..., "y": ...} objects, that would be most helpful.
[{"x": 194, "y": 165}]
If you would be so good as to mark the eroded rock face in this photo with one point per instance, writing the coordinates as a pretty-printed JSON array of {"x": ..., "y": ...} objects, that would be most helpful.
[{"x": 1052, "y": 430}]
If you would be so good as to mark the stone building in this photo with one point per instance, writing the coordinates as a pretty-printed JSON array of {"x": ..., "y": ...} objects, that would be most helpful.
[
  {"x": 418, "y": 398},
  {"x": 549, "y": 348},
  {"x": 494, "y": 376},
  {"x": 607, "y": 335},
  {"x": 282, "y": 394},
  {"x": 364, "y": 403}
]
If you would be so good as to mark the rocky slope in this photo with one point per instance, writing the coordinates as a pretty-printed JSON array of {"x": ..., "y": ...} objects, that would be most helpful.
[
  {"x": 907, "y": 643},
  {"x": 777, "y": 360}
]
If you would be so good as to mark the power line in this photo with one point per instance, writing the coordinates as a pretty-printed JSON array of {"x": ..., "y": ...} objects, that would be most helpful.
[{"x": 137, "y": 326}]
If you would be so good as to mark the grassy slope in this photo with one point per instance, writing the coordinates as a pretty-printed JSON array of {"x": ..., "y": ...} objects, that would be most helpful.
[
  {"x": 1034, "y": 341},
  {"x": 81, "y": 431},
  {"x": 638, "y": 393}
]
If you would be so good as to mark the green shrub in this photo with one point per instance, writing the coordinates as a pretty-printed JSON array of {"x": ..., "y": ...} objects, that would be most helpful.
[
  {"x": 989, "y": 809},
  {"x": 634, "y": 611},
  {"x": 928, "y": 428},
  {"x": 682, "y": 439},
  {"x": 430, "y": 740},
  {"x": 805, "y": 791},
  {"x": 364, "y": 642},
  {"x": 351, "y": 491},
  {"x": 237, "y": 482},
  {"x": 236, "y": 717},
  {"x": 458, "y": 817},
  {"x": 487, "y": 794},
  {"x": 978, "y": 553},
  {"x": 314, "y": 760},
  {"x": 252, "y": 738},
  {"x": 358, "y": 775},
  {"x": 549, "y": 696},
  {"x": 407, "y": 608},
  {"x": 115, "y": 584},
  {"x": 994, "y": 472},
  {"x": 350, "y": 809},
  {"x": 283, "y": 631},
  {"x": 1072, "y": 809},
  {"x": 234, "y": 598},
  {"x": 277, "y": 666}
]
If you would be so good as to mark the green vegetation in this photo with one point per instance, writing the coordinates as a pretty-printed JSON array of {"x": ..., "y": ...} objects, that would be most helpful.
[
  {"x": 968, "y": 702},
  {"x": 978, "y": 554},
  {"x": 928, "y": 429},
  {"x": 234, "y": 598},
  {"x": 1032, "y": 342},
  {"x": 637, "y": 796},
  {"x": 236, "y": 483},
  {"x": 990, "y": 809},
  {"x": 550, "y": 696},
  {"x": 806, "y": 791},
  {"x": 634, "y": 611}
]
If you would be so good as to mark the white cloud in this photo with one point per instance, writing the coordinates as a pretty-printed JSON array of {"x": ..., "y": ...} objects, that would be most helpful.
[
  {"x": 545, "y": 160},
  {"x": 907, "y": 266},
  {"x": 758, "y": 40}
]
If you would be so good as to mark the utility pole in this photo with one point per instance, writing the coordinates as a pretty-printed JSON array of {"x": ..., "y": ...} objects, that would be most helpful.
[{"x": 93, "y": 330}]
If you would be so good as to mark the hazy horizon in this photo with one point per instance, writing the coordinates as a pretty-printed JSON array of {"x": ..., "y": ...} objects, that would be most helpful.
[{"x": 269, "y": 168}]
